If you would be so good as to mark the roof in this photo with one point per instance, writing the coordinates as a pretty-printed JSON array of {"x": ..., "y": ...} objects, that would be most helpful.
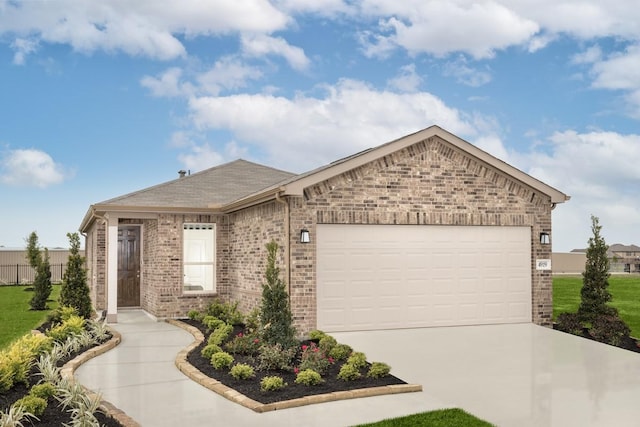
[{"x": 239, "y": 184}]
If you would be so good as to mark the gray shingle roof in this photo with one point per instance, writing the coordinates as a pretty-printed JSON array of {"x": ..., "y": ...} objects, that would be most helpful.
[{"x": 215, "y": 186}]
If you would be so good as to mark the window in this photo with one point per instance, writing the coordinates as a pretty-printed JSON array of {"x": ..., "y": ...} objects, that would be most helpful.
[{"x": 198, "y": 257}]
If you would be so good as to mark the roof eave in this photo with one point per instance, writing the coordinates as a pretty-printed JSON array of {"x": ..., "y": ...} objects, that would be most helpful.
[{"x": 252, "y": 200}]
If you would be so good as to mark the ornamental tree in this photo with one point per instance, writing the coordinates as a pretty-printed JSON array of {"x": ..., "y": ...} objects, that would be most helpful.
[
  {"x": 275, "y": 312},
  {"x": 42, "y": 282},
  {"x": 595, "y": 279},
  {"x": 75, "y": 291}
]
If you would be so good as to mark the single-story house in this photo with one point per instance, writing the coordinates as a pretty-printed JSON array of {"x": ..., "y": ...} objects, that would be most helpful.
[
  {"x": 425, "y": 230},
  {"x": 622, "y": 258}
]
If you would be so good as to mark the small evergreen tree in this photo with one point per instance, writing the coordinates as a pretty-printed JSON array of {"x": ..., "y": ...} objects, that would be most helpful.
[
  {"x": 275, "y": 311},
  {"x": 42, "y": 281},
  {"x": 75, "y": 291},
  {"x": 595, "y": 279}
]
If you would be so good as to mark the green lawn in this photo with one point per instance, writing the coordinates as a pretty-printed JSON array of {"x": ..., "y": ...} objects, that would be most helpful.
[
  {"x": 625, "y": 293},
  {"x": 440, "y": 418},
  {"x": 16, "y": 319}
]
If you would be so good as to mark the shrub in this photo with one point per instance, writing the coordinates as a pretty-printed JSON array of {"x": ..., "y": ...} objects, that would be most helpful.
[
  {"x": 6, "y": 375},
  {"x": 327, "y": 343},
  {"x": 228, "y": 312},
  {"x": 42, "y": 282},
  {"x": 340, "y": 352},
  {"x": 43, "y": 390},
  {"x": 357, "y": 359},
  {"x": 14, "y": 416},
  {"x": 313, "y": 358},
  {"x": 309, "y": 377},
  {"x": 272, "y": 383},
  {"x": 75, "y": 291},
  {"x": 570, "y": 323},
  {"x": 221, "y": 360},
  {"x": 252, "y": 321},
  {"x": 378, "y": 370},
  {"x": 609, "y": 329},
  {"x": 74, "y": 325},
  {"x": 220, "y": 334},
  {"x": 212, "y": 322},
  {"x": 32, "y": 404},
  {"x": 316, "y": 334},
  {"x": 243, "y": 344},
  {"x": 242, "y": 371},
  {"x": 195, "y": 315},
  {"x": 275, "y": 311},
  {"x": 209, "y": 350},
  {"x": 274, "y": 357},
  {"x": 349, "y": 372}
]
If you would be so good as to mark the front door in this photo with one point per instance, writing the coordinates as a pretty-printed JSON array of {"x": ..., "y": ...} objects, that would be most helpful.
[{"x": 128, "y": 266}]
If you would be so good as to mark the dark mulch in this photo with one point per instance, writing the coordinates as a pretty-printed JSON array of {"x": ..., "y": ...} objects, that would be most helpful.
[
  {"x": 54, "y": 415},
  {"x": 251, "y": 387},
  {"x": 627, "y": 342}
]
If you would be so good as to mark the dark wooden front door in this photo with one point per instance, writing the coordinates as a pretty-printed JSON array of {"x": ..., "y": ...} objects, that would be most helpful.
[{"x": 128, "y": 266}]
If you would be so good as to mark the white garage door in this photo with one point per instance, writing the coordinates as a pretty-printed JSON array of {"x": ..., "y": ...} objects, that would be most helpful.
[{"x": 406, "y": 276}]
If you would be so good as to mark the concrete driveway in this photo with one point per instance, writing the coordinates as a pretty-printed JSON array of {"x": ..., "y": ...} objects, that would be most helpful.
[{"x": 510, "y": 375}]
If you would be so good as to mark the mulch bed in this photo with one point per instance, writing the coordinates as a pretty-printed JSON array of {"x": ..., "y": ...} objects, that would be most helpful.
[
  {"x": 54, "y": 415},
  {"x": 627, "y": 342},
  {"x": 251, "y": 387}
]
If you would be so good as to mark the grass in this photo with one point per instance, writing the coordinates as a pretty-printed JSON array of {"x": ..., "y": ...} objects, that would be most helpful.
[
  {"x": 625, "y": 293},
  {"x": 16, "y": 319},
  {"x": 440, "y": 418}
]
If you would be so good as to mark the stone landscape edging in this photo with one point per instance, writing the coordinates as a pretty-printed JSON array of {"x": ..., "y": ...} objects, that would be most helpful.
[
  {"x": 216, "y": 386},
  {"x": 69, "y": 368}
]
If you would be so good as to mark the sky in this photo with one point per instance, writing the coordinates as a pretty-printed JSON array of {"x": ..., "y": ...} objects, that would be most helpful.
[{"x": 99, "y": 98}]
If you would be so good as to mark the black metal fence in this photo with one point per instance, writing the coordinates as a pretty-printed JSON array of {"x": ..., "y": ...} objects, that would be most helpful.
[{"x": 22, "y": 274}]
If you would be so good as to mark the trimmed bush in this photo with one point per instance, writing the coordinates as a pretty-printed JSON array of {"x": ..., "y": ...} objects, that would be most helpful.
[
  {"x": 242, "y": 371},
  {"x": 252, "y": 320},
  {"x": 316, "y": 334},
  {"x": 309, "y": 377},
  {"x": 272, "y": 383},
  {"x": 74, "y": 325},
  {"x": 378, "y": 370},
  {"x": 226, "y": 311},
  {"x": 357, "y": 359},
  {"x": 243, "y": 344},
  {"x": 43, "y": 390},
  {"x": 340, "y": 352},
  {"x": 220, "y": 334},
  {"x": 609, "y": 329},
  {"x": 327, "y": 343},
  {"x": 195, "y": 315},
  {"x": 212, "y": 322},
  {"x": 570, "y": 323},
  {"x": 221, "y": 360},
  {"x": 273, "y": 357},
  {"x": 209, "y": 350},
  {"x": 32, "y": 404},
  {"x": 75, "y": 291},
  {"x": 349, "y": 372}
]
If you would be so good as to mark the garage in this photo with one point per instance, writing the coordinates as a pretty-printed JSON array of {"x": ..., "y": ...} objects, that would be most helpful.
[{"x": 373, "y": 277}]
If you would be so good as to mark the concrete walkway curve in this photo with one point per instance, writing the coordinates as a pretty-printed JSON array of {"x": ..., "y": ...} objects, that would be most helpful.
[{"x": 510, "y": 375}]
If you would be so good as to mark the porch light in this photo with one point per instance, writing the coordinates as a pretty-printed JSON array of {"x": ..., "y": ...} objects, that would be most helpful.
[
  {"x": 304, "y": 236},
  {"x": 544, "y": 238}
]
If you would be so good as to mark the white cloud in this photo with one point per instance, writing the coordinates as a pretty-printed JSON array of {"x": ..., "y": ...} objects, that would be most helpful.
[
  {"x": 304, "y": 132},
  {"x": 493, "y": 145},
  {"x": 407, "y": 79},
  {"x": 167, "y": 84},
  {"x": 262, "y": 45},
  {"x": 439, "y": 28},
  {"x": 22, "y": 48},
  {"x": 579, "y": 164},
  {"x": 465, "y": 74},
  {"x": 198, "y": 155},
  {"x": 142, "y": 27},
  {"x": 589, "y": 56},
  {"x": 30, "y": 168}
]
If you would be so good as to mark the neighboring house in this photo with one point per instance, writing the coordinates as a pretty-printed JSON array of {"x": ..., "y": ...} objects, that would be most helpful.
[
  {"x": 622, "y": 258},
  {"x": 568, "y": 263},
  {"x": 426, "y": 230}
]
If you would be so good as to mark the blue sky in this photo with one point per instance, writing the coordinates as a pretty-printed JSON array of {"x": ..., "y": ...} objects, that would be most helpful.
[{"x": 101, "y": 98}]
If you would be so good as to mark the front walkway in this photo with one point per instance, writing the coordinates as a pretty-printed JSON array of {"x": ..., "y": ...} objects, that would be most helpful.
[{"x": 511, "y": 375}]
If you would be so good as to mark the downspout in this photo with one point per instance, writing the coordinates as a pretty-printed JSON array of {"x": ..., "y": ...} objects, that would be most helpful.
[{"x": 287, "y": 245}]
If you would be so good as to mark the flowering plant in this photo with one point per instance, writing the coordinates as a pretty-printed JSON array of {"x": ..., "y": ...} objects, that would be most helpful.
[
  {"x": 243, "y": 344},
  {"x": 314, "y": 358}
]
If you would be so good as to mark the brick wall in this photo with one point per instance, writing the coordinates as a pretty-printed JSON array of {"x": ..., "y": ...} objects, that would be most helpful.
[
  {"x": 428, "y": 183},
  {"x": 95, "y": 256}
]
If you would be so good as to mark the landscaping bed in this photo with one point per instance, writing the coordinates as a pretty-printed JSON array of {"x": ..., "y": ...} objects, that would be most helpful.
[{"x": 251, "y": 387}]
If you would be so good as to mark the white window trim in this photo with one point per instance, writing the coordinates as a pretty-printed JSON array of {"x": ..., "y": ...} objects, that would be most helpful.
[{"x": 200, "y": 226}]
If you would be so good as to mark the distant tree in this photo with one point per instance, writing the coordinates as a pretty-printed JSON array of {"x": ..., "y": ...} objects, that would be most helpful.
[
  {"x": 75, "y": 291},
  {"x": 275, "y": 311},
  {"x": 595, "y": 279},
  {"x": 40, "y": 263}
]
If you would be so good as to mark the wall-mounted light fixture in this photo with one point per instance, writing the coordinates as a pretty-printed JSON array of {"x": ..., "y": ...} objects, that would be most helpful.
[
  {"x": 304, "y": 236},
  {"x": 544, "y": 238}
]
